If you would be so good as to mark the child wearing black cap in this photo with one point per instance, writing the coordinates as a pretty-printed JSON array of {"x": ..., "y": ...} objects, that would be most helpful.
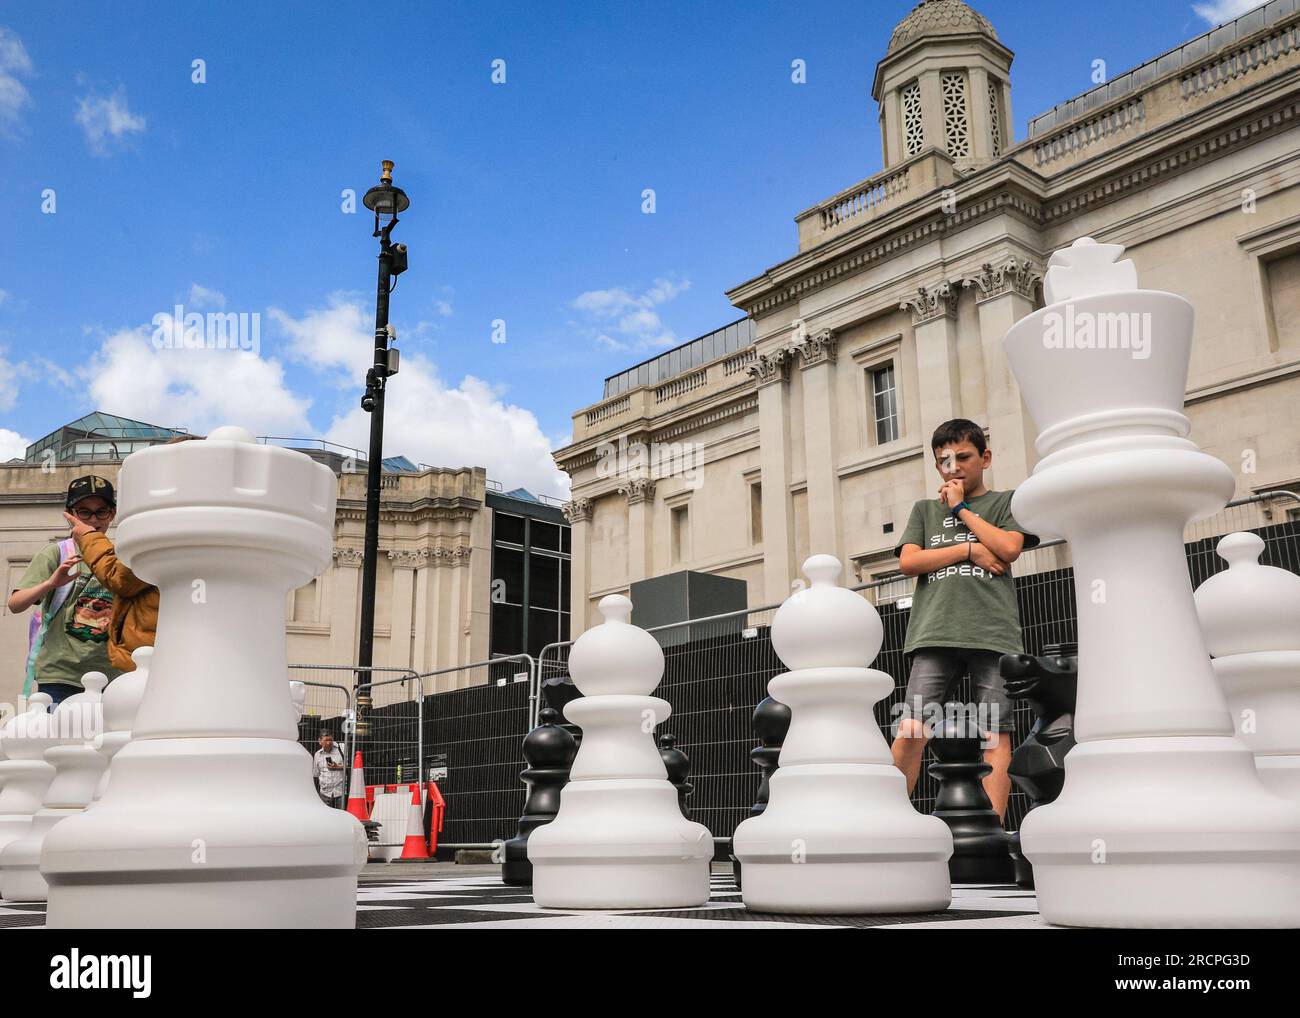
[{"x": 70, "y": 636}]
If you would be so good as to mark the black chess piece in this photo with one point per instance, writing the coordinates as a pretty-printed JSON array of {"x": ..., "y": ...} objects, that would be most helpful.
[
  {"x": 558, "y": 692},
  {"x": 678, "y": 766},
  {"x": 1050, "y": 683},
  {"x": 549, "y": 751},
  {"x": 770, "y": 723},
  {"x": 980, "y": 847}
]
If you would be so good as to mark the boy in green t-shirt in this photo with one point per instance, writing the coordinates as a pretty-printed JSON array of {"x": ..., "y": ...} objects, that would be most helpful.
[
  {"x": 76, "y": 608},
  {"x": 960, "y": 547}
]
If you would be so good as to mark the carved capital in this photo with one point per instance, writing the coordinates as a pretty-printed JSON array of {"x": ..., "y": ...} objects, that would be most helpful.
[
  {"x": 349, "y": 557},
  {"x": 405, "y": 559},
  {"x": 818, "y": 348},
  {"x": 1017, "y": 276},
  {"x": 577, "y": 511},
  {"x": 638, "y": 490},
  {"x": 930, "y": 303},
  {"x": 769, "y": 368},
  {"x": 460, "y": 555}
]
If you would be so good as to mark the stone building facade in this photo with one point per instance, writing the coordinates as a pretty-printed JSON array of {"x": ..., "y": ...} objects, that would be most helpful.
[{"x": 889, "y": 317}]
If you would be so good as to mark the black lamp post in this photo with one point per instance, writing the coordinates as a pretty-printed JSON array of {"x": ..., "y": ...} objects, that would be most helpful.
[{"x": 383, "y": 200}]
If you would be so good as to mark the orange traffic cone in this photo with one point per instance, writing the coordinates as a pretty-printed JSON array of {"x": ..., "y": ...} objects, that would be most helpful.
[
  {"x": 414, "y": 848},
  {"x": 357, "y": 790}
]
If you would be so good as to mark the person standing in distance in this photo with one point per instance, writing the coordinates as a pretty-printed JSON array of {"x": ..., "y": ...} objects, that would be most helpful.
[{"x": 327, "y": 762}]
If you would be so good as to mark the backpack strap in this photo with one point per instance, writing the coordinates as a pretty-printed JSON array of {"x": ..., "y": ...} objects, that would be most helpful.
[{"x": 40, "y": 623}]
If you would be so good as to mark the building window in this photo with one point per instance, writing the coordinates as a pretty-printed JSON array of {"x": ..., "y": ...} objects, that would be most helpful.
[
  {"x": 304, "y": 603},
  {"x": 884, "y": 404},
  {"x": 913, "y": 135},
  {"x": 530, "y": 584},
  {"x": 995, "y": 124},
  {"x": 755, "y": 514},
  {"x": 892, "y": 585},
  {"x": 681, "y": 531},
  {"x": 955, "y": 130}
]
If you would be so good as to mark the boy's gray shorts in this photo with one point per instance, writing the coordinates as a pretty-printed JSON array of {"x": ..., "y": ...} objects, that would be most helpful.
[{"x": 935, "y": 672}]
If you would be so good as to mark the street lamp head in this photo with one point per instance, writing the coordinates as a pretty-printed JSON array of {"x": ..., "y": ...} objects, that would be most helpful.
[{"x": 384, "y": 199}]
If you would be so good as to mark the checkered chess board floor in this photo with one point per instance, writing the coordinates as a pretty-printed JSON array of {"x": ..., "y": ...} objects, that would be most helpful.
[{"x": 478, "y": 900}]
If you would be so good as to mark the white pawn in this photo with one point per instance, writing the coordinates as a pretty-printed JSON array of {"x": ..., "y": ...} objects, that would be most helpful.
[
  {"x": 24, "y": 774},
  {"x": 70, "y": 730},
  {"x": 619, "y": 840},
  {"x": 1250, "y": 617},
  {"x": 121, "y": 702},
  {"x": 839, "y": 834},
  {"x": 297, "y": 698}
]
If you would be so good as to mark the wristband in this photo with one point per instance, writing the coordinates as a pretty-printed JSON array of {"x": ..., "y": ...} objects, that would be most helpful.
[{"x": 956, "y": 510}]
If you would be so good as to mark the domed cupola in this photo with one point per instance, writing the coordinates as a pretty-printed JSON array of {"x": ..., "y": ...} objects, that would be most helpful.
[{"x": 945, "y": 83}]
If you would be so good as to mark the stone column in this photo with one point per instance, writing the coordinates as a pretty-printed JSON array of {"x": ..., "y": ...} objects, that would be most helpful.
[
  {"x": 399, "y": 641},
  {"x": 821, "y": 424},
  {"x": 770, "y": 371},
  {"x": 426, "y": 611},
  {"x": 932, "y": 110},
  {"x": 443, "y": 629},
  {"x": 578, "y": 513},
  {"x": 1005, "y": 295},
  {"x": 934, "y": 318},
  {"x": 981, "y": 136},
  {"x": 459, "y": 606},
  {"x": 345, "y": 599},
  {"x": 640, "y": 492}
]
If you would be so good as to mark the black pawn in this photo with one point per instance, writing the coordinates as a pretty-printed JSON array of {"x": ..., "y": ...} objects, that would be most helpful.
[
  {"x": 770, "y": 723},
  {"x": 678, "y": 766},
  {"x": 1050, "y": 684},
  {"x": 980, "y": 847},
  {"x": 549, "y": 751}
]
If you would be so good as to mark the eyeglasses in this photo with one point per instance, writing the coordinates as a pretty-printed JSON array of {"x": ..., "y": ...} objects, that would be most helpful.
[{"x": 86, "y": 515}]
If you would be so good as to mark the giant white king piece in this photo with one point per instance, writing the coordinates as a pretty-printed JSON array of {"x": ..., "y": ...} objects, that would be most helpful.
[
  {"x": 210, "y": 818},
  {"x": 1163, "y": 820}
]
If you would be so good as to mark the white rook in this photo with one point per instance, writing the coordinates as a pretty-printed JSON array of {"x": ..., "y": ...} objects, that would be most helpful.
[
  {"x": 1250, "y": 615},
  {"x": 619, "y": 840},
  {"x": 1163, "y": 820},
  {"x": 210, "y": 818},
  {"x": 839, "y": 834}
]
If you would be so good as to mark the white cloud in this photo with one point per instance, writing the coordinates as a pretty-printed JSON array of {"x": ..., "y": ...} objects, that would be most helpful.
[
  {"x": 624, "y": 321},
  {"x": 1218, "y": 11},
  {"x": 425, "y": 418},
  {"x": 198, "y": 389},
  {"x": 14, "y": 63},
  {"x": 12, "y": 445},
  {"x": 107, "y": 120},
  {"x": 203, "y": 299},
  {"x": 9, "y": 374}
]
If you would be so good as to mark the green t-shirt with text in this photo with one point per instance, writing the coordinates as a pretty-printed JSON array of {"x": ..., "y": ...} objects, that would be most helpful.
[
  {"x": 962, "y": 605},
  {"x": 76, "y": 640}
]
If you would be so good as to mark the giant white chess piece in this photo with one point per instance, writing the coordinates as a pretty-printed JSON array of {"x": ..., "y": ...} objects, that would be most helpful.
[
  {"x": 24, "y": 772},
  {"x": 210, "y": 818},
  {"x": 1250, "y": 615},
  {"x": 73, "y": 728},
  {"x": 121, "y": 704},
  {"x": 619, "y": 840},
  {"x": 1163, "y": 820},
  {"x": 839, "y": 834}
]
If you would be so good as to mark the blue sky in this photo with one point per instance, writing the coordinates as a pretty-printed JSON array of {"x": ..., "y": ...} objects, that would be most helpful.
[{"x": 526, "y": 196}]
